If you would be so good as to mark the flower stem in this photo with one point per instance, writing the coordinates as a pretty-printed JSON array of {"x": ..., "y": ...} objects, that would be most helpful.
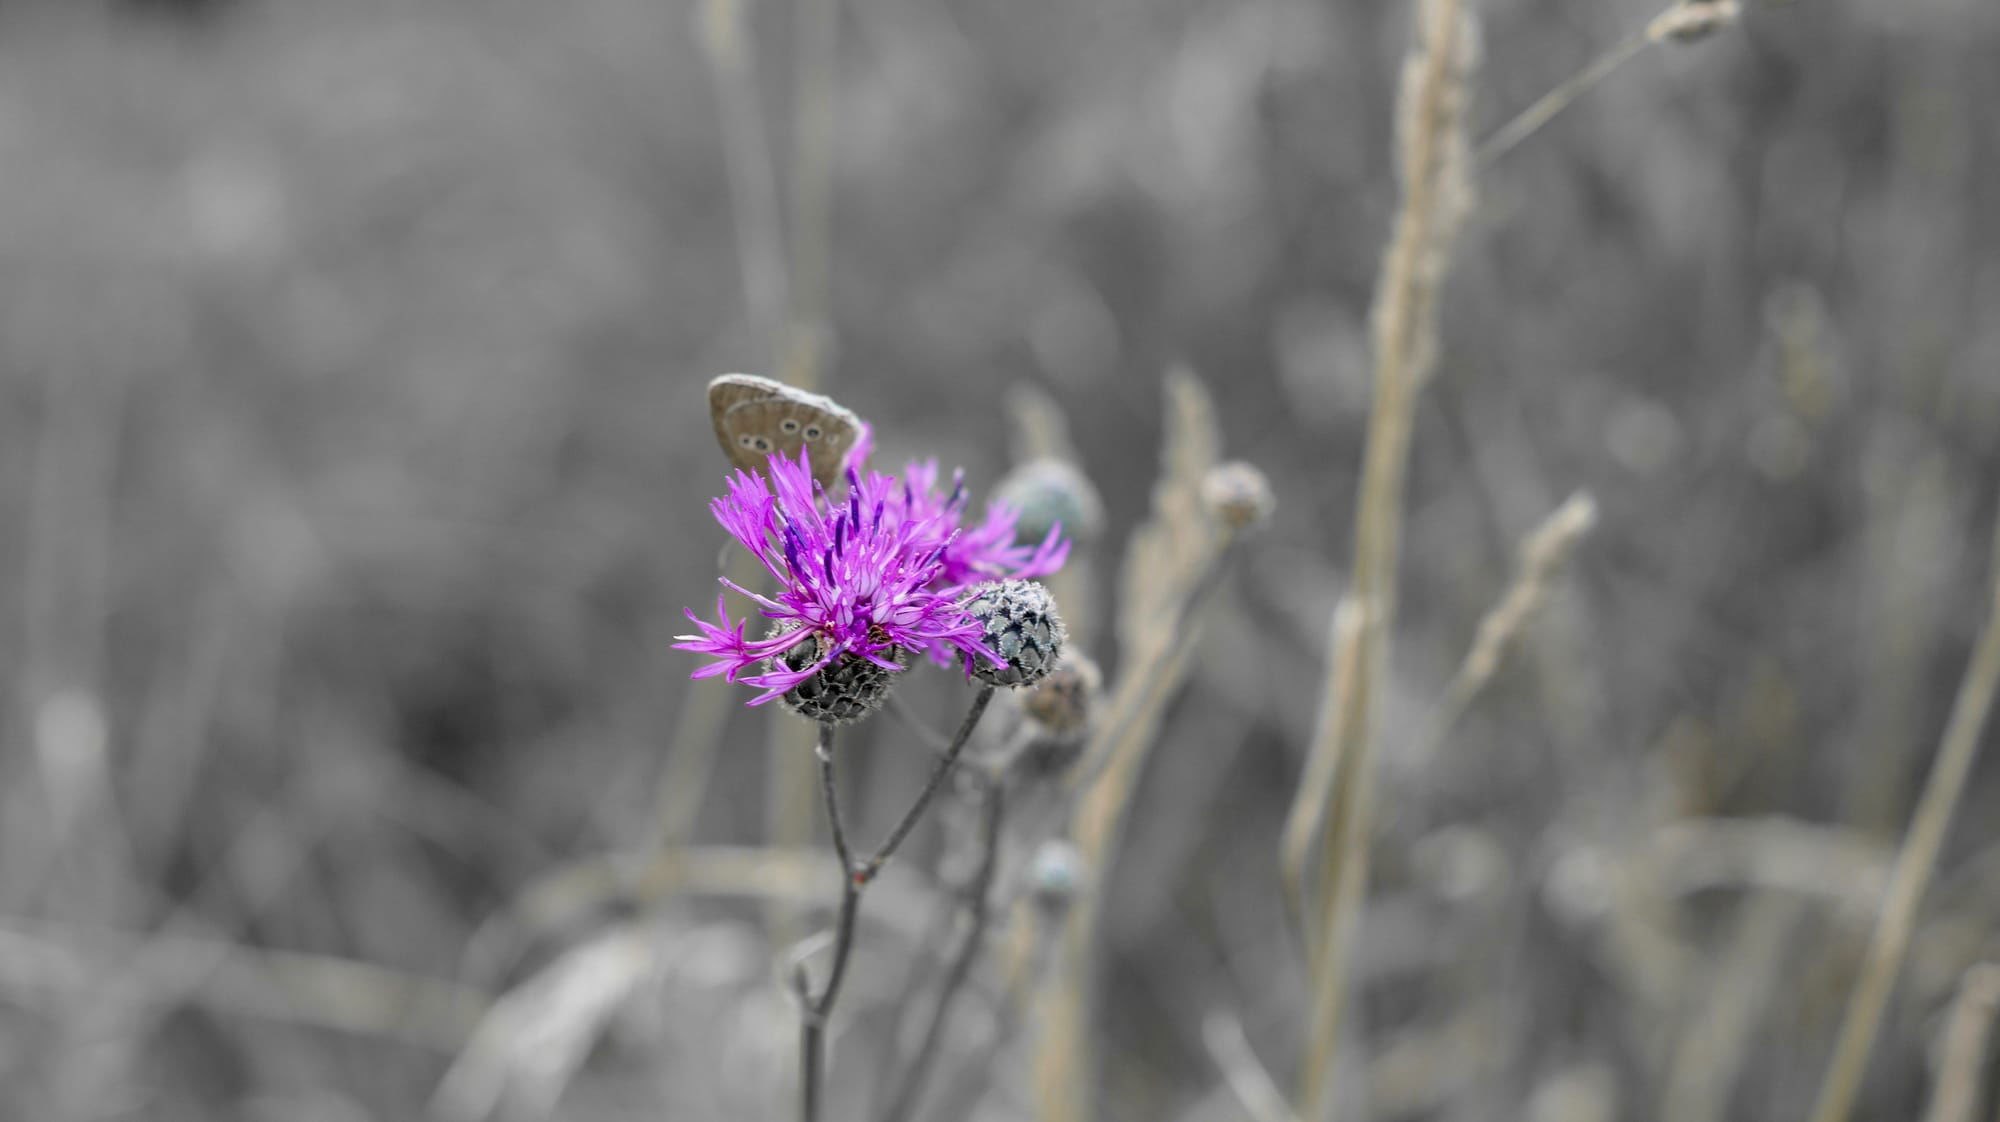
[
  {"x": 830, "y": 792},
  {"x": 941, "y": 769},
  {"x": 814, "y": 1011},
  {"x": 912, "y": 1088},
  {"x": 854, "y": 877}
]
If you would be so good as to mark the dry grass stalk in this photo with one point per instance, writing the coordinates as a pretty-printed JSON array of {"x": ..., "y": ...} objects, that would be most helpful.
[
  {"x": 1543, "y": 553},
  {"x": 1691, "y": 21},
  {"x": 1321, "y": 782},
  {"x": 1909, "y": 517},
  {"x": 1915, "y": 863},
  {"x": 814, "y": 60},
  {"x": 753, "y": 187},
  {"x": 1171, "y": 565},
  {"x": 1167, "y": 554},
  {"x": 1434, "y": 167},
  {"x": 1955, "y": 1094},
  {"x": 1685, "y": 21}
]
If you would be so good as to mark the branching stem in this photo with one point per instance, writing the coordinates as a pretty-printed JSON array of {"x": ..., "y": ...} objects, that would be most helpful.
[
  {"x": 855, "y": 877},
  {"x": 912, "y": 1088}
]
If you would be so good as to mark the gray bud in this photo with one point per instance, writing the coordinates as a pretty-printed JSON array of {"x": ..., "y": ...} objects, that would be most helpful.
[{"x": 1018, "y": 622}]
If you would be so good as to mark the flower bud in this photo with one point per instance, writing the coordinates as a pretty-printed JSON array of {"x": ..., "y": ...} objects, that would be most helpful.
[
  {"x": 1047, "y": 492},
  {"x": 1237, "y": 495},
  {"x": 1056, "y": 874},
  {"x": 1018, "y": 621},
  {"x": 841, "y": 692},
  {"x": 1058, "y": 713},
  {"x": 1691, "y": 21}
]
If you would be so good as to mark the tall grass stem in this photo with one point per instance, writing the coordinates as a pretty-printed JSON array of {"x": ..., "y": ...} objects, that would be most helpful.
[{"x": 1915, "y": 863}]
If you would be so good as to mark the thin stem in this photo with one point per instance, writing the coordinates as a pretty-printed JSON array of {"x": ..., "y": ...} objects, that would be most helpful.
[
  {"x": 813, "y": 1011},
  {"x": 854, "y": 878},
  {"x": 912, "y": 1089},
  {"x": 943, "y": 768},
  {"x": 1556, "y": 100},
  {"x": 753, "y": 182},
  {"x": 843, "y": 945},
  {"x": 851, "y": 883},
  {"x": 1955, "y": 1092},
  {"x": 816, "y": 56},
  {"x": 1436, "y": 185},
  {"x": 1912, "y": 872},
  {"x": 830, "y": 791},
  {"x": 812, "y": 1061}
]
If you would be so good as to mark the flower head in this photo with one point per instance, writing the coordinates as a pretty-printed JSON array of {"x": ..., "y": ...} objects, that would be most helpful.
[
  {"x": 865, "y": 578},
  {"x": 987, "y": 550},
  {"x": 1020, "y": 623}
]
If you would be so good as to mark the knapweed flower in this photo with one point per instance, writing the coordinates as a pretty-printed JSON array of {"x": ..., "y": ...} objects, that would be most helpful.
[
  {"x": 865, "y": 578},
  {"x": 982, "y": 552}
]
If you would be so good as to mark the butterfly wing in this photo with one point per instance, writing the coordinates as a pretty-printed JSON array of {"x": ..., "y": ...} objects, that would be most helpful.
[
  {"x": 726, "y": 393},
  {"x": 755, "y": 417}
]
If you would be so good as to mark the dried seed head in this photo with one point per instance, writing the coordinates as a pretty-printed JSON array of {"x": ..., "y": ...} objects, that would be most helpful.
[
  {"x": 1018, "y": 621},
  {"x": 1056, "y": 874},
  {"x": 1049, "y": 492},
  {"x": 1064, "y": 700},
  {"x": 1691, "y": 21},
  {"x": 841, "y": 692},
  {"x": 1057, "y": 715},
  {"x": 1237, "y": 495}
]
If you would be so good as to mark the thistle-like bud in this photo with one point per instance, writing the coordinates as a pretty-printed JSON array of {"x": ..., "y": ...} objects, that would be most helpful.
[
  {"x": 1057, "y": 714},
  {"x": 841, "y": 692},
  {"x": 1237, "y": 495},
  {"x": 1056, "y": 874},
  {"x": 1046, "y": 492},
  {"x": 1018, "y": 621}
]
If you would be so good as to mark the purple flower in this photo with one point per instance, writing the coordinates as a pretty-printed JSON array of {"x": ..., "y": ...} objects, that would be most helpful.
[
  {"x": 860, "y": 579},
  {"x": 988, "y": 550}
]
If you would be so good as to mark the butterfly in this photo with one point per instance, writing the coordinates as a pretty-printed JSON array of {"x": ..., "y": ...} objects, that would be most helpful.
[{"x": 755, "y": 417}]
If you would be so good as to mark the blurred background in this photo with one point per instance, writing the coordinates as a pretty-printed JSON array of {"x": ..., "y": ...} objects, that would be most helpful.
[{"x": 354, "y": 462}]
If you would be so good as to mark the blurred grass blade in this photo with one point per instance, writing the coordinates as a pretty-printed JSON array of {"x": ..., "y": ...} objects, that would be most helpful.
[
  {"x": 1915, "y": 863},
  {"x": 732, "y": 59},
  {"x": 1171, "y": 565},
  {"x": 1434, "y": 167},
  {"x": 1317, "y": 787},
  {"x": 1962, "y": 1059}
]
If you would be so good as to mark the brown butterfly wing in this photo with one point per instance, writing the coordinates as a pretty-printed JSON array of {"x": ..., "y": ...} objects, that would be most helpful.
[
  {"x": 783, "y": 425},
  {"x": 727, "y": 393},
  {"x": 755, "y": 417}
]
